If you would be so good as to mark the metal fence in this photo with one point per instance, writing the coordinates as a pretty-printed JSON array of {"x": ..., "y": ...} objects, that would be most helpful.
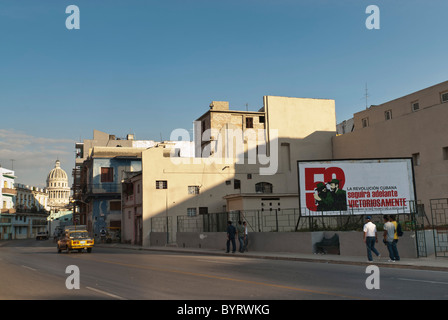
[
  {"x": 439, "y": 213},
  {"x": 293, "y": 220},
  {"x": 287, "y": 220}
]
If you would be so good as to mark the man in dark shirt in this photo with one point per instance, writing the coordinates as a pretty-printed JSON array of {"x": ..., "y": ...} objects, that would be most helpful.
[
  {"x": 231, "y": 231},
  {"x": 339, "y": 196}
]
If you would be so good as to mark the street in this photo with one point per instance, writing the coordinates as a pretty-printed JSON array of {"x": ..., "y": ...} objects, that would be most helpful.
[{"x": 34, "y": 270}]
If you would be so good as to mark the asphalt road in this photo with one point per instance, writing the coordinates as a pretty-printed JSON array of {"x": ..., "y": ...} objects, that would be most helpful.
[{"x": 33, "y": 270}]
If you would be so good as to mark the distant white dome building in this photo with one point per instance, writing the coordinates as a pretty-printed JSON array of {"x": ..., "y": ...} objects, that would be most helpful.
[{"x": 57, "y": 187}]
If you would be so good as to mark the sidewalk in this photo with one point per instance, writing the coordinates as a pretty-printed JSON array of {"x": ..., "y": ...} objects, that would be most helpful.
[{"x": 429, "y": 263}]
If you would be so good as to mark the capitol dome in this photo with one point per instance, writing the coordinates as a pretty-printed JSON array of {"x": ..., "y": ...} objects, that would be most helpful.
[
  {"x": 57, "y": 187},
  {"x": 57, "y": 173}
]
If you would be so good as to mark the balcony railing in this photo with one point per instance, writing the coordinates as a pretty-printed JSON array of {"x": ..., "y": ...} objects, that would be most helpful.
[
  {"x": 101, "y": 188},
  {"x": 9, "y": 191}
]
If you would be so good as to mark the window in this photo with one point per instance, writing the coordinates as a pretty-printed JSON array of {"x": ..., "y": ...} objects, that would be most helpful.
[
  {"x": 415, "y": 106},
  {"x": 263, "y": 187},
  {"x": 107, "y": 174},
  {"x": 249, "y": 122},
  {"x": 444, "y": 97},
  {"x": 249, "y": 176},
  {"x": 236, "y": 184},
  {"x": 193, "y": 189},
  {"x": 445, "y": 153},
  {"x": 416, "y": 159},
  {"x": 161, "y": 184},
  {"x": 365, "y": 122},
  {"x": 388, "y": 114},
  {"x": 191, "y": 212},
  {"x": 261, "y": 119},
  {"x": 115, "y": 205}
]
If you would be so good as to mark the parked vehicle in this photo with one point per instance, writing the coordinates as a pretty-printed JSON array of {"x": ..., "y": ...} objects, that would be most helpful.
[{"x": 42, "y": 236}]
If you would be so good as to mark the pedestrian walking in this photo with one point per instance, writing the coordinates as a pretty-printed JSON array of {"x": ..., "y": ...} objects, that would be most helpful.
[
  {"x": 103, "y": 235},
  {"x": 370, "y": 238},
  {"x": 388, "y": 236},
  {"x": 231, "y": 232},
  {"x": 240, "y": 230},
  {"x": 395, "y": 244}
]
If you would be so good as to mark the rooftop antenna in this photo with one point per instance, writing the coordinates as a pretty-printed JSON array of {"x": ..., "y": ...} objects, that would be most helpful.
[
  {"x": 247, "y": 107},
  {"x": 366, "y": 96},
  {"x": 12, "y": 164}
]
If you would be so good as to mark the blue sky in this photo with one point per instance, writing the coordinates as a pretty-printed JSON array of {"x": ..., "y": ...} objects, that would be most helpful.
[{"x": 149, "y": 67}]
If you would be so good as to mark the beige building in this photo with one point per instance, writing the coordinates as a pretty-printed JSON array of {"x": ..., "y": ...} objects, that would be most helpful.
[
  {"x": 414, "y": 126},
  {"x": 290, "y": 129},
  {"x": 31, "y": 199},
  {"x": 7, "y": 191}
]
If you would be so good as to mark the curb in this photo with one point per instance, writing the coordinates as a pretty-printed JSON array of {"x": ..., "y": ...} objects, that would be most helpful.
[{"x": 286, "y": 258}]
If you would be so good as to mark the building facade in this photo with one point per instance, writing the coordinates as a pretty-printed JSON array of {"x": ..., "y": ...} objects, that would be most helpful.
[
  {"x": 410, "y": 126},
  {"x": 104, "y": 171},
  {"x": 8, "y": 192},
  {"x": 31, "y": 199},
  {"x": 132, "y": 219},
  {"x": 83, "y": 152},
  {"x": 290, "y": 129}
]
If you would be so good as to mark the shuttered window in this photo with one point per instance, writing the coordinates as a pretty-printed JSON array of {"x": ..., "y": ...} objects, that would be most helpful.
[{"x": 107, "y": 174}]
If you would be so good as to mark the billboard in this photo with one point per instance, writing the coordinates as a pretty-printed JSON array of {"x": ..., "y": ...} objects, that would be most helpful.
[{"x": 366, "y": 186}]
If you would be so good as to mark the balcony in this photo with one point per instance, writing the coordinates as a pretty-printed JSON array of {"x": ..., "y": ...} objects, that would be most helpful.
[
  {"x": 9, "y": 191},
  {"x": 102, "y": 188},
  {"x": 10, "y": 211}
]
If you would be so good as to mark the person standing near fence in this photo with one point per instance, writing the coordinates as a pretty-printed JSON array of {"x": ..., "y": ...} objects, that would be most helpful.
[
  {"x": 246, "y": 236},
  {"x": 370, "y": 238},
  {"x": 389, "y": 232},
  {"x": 395, "y": 242},
  {"x": 231, "y": 232},
  {"x": 241, "y": 232}
]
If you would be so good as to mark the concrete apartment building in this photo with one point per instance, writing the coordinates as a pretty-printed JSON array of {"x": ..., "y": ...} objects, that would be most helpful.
[
  {"x": 175, "y": 187},
  {"x": 80, "y": 173},
  {"x": 7, "y": 191},
  {"x": 102, "y": 164},
  {"x": 414, "y": 126},
  {"x": 7, "y": 203},
  {"x": 132, "y": 218},
  {"x": 104, "y": 171},
  {"x": 31, "y": 198}
]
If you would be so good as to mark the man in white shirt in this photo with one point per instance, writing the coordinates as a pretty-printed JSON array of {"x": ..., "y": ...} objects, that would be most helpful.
[{"x": 370, "y": 238}]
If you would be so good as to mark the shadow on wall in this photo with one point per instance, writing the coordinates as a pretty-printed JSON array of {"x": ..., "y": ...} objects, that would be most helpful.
[{"x": 215, "y": 181}]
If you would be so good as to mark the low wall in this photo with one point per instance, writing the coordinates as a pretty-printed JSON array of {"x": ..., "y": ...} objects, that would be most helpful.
[{"x": 351, "y": 243}]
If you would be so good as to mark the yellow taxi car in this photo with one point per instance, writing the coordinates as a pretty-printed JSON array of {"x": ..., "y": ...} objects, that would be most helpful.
[{"x": 75, "y": 239}]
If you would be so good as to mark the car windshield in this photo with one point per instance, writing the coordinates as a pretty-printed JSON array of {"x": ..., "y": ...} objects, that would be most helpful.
[{"x": 79, "y": 235}]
